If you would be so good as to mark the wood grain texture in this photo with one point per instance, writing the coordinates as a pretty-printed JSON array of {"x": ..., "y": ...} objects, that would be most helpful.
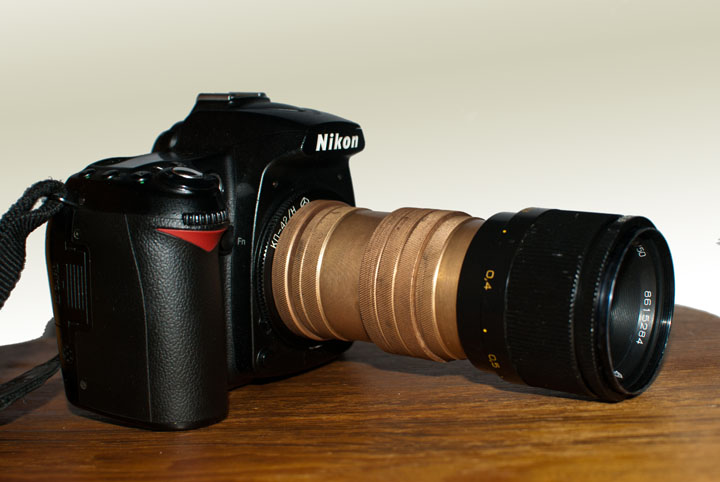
[{"x": 375, "y": 416}]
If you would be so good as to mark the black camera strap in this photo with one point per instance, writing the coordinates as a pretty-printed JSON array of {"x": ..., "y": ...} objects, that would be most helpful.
[{"x": 15, "y": 227}]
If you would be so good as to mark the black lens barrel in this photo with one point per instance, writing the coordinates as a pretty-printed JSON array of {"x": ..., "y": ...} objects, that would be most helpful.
[{"x": 572, "y": 301}]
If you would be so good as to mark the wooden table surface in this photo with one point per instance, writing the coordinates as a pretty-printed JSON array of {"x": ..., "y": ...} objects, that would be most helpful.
[{"x": 374, "y": 416}]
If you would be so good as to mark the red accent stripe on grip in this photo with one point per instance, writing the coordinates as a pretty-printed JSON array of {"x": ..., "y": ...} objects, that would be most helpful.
[{"x": 206, "y": 240}]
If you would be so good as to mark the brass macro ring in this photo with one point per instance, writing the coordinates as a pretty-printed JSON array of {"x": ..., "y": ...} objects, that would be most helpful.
[
  {"x": 297, "y": 303},
  {"x": 391, "y": 278},
  {"x": 396, "y": 294}
]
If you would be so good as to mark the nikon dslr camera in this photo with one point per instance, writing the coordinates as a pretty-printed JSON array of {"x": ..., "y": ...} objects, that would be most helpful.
[{"x": 233, "y": 252}]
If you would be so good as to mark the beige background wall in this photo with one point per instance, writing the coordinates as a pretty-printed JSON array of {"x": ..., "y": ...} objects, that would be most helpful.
[{"x": 481, "y": 106}]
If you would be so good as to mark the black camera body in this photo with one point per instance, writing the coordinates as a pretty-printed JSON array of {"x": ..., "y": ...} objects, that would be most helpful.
[{"x": 159, "y": 264}]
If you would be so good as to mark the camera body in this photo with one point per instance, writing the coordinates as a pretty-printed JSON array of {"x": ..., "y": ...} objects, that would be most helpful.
[{"x": 159, "y": 264}]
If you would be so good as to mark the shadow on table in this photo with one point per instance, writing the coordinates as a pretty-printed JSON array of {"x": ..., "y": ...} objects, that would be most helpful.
[{"x": 368, "y": 354}]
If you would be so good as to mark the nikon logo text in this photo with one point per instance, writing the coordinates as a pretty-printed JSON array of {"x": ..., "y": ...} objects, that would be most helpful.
[{"x": 335, "y": 142}]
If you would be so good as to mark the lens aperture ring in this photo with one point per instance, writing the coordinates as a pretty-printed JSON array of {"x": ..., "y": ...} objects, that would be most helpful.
[{"x": 482, "y": 292}]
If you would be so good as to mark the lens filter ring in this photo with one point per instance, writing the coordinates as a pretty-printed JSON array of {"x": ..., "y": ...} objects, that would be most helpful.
[{"x": 634, "y": 307}]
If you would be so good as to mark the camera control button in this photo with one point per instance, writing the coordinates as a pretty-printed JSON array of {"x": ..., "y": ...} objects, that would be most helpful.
[
  {"x": 141, "y": 177},
  {"x": 110, "y": 174}
]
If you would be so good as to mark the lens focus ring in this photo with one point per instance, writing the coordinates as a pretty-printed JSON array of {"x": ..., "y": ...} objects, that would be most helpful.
[{"x": 545, "y": 282}]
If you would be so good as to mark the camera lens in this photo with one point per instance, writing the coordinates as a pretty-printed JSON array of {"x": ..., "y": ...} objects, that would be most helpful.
[
  {"x": 577, "y": 302},
  {"x": 570, "y": 301}
]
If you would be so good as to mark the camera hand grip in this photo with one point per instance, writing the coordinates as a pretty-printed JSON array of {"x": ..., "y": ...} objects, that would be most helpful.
[
  {"x": 137, "y": 297},
  {"x": 185, "y": 327}
]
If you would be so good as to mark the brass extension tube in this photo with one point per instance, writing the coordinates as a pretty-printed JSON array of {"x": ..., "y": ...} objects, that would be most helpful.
[{"x": 348, "y": 273}]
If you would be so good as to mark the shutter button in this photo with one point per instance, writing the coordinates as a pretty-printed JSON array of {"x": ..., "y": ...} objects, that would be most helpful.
[
  {"x": 187, "y": 173},
  {"x": 185, "y": 179}
]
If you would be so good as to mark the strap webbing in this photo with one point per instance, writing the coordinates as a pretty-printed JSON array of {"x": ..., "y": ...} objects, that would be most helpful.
[
  {"x": 15, "y": 227},
  {"x": 20, "y": 386}
]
